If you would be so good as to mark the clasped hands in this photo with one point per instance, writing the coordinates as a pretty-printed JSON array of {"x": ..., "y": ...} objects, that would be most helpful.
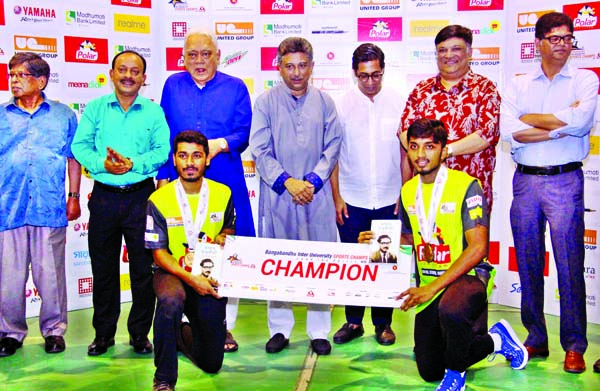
[
  {"x": 302, "y": 192},
  {"x": 115, "y": 163}
]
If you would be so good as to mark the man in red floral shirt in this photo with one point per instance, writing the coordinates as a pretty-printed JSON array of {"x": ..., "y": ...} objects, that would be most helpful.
[{"x": 467, "y": 103}]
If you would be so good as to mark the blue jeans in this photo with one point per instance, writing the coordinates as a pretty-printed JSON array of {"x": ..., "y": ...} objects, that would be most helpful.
[
  {"x": 360, "y": 220},
  {"x": 558, "y": 200}
]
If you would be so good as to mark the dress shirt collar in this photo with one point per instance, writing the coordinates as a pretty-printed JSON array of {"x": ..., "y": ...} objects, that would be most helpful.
[
  {"x": 12, "y": 102},
  {"x": 113, "y": 101},
  {"x": 461, "y": 86},
  {"x": 566, "y": 71}
]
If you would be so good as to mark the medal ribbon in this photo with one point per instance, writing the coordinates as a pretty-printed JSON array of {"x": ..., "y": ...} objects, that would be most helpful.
[
  {"x": 192, "y": 227},
  {"x": 427, "y": 222}
]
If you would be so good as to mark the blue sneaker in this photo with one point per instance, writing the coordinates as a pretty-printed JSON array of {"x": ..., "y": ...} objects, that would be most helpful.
[
  {"x": 452, "y": 381},
  {"x": 511, "y": 348}
]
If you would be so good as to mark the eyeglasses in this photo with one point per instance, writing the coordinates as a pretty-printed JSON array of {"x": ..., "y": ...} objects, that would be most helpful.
[
  {"x": 19, "y": 75},
  {"x": 554, "y": 39},
  {"x": 375, "y": 76},
  {"x": 385, "y": 242}
]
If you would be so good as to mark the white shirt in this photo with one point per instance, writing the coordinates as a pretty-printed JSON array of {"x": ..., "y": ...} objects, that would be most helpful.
[{"x": 369, "y": 162}]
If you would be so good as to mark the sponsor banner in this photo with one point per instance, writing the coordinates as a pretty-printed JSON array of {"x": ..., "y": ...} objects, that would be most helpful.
[
  {"x": 332, "y": 84},
  {"x": 282, "y": 30},
  {"x": 188, "y": 6},
  {"x": 284, "y": 7},
  {"x": 480, "y": 5},
  {"x": 328, "y": 273},
  {"x": 85, "y": 286},
  {"x": 126, "y": 23},
  {"x": 426, "y": 28},
  {"x": 79, "y": 18},
  {"x": 46, "y": 47},
  {"x": 179, "y": 30},
  {"x": 379, "y": 5},
  {"x": 486, "y": 56},
  {"x": 268, "y": 59},
  {"x": 430, "y": 5},
  {"x": 175, "y": 59},
  {"x": 526, "y": 21},
  {"x": 584, "y": 15},
  {"x": 595, "y": 149},
  {"x": 233, "y": 58},
  {"x": 486, "y": 28},
  {"x": 590, "y": 239},
  {"x": 2, "y": 17},
  {"x": 249, "y": 168},
  {"x": 79, "y": 82},
  {"x": 494, "y": 253},
  {"x": 86, "y": 50},
  {"x": 379, "y": 29},
  {"x": 133, "y": 3},
  {"x": 596, "y": 70},
  {"x": 249, "y": 82},
  {"x": 144, "y": 51},
  {"x": 319, "y": 6},
  {"x": 238, "y": 31},
  {"x": 34, "y": 14},
  {"x": 235, "y": 6},
  {"x": 339, "y": 30}
]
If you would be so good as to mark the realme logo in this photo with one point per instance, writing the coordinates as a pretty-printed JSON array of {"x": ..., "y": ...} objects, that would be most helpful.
[
  {"x": 125, "y": 282},
  {"x": 594, "y": 145},
  {"x": 249, "y": 82},
  {"x": 426, "y": 28},
  {"x": 132, "y": 23}
]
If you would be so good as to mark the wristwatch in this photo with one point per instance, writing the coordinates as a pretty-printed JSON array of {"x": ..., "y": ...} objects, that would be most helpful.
[
  {"x": 223, "y": 144},
  {"x": 450, "y": 151}
]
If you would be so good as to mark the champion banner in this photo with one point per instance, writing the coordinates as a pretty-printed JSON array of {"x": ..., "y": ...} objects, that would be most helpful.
[{"x": 311, "y": 272}]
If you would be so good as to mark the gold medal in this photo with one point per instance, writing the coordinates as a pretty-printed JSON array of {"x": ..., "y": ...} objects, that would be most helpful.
[{"x": 427, "y": 253}]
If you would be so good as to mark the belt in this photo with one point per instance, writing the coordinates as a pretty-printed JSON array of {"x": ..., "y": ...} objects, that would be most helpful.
[
  {"x": 125, "y": 188},
  {"x": 549, "y": 170}
]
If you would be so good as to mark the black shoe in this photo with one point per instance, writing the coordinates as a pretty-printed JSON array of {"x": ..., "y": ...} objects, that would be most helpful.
[
  {"x": 100, "y": 345},
  {"x": 348, "y": 332},
  {"x": 140, "y": 343},
  {"x": 384, "y": 334},
  {"x": 597, "y": 366},
  {"x": 320, "y": 346},
  {"x": 8, "y": 346},
  {"x": 54, "y": 344},
  {"x": 162, "y": 385},
  {"x": 276, "y": 343}
]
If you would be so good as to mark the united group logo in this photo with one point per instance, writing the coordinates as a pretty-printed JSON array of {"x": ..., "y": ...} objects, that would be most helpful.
[
  {"x": 590, "y": 239},
  {"x": 426, "y": 28},
  {"x": 480, "y": 5},
  {"x": 268, "y": 59},
  {"x": 133, "y": 3},
  {"x": 486, "y": 56},
  {"x": 126, "y": 23},
  {"x": 178, "y": 29},
  {"x": 286, "y": 7},
  {"x": 46, "y": 47},
  {"x": 379, "y": 29},
  {"x": 379, "y": 5},
  {"x": 29, "y": 14},
  {"x": 234, "y": 31},
  {"x": 526, "y": 20},
  {"x": 86, "y": 50},
  {"x": 175, "y": 59},
  {"x": 584, "y": 15},
  {"x": 249, "y": 168}
]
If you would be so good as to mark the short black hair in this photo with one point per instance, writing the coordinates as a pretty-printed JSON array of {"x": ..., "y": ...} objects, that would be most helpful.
[
  {"x": 205, "y": 261},
  {"x": 114, "y": 61},
  {"x": 191, "y": 136},
  {"x": 454, "y": 31},
  {"x": 381, "y": 237},
  {"x": 294, "y": 45},
  {"x": 551, "y": 20},
  {"x": 368, "y": 52},
  {"x": 34, "y": 64},
  {"x": 425, "y": 128}
]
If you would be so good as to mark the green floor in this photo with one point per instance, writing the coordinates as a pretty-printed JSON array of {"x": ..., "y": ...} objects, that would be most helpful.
[{"x": 359, "y": 365}]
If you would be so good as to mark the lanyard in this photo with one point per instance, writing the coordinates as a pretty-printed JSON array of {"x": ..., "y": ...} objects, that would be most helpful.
[
  {"x": 192, "y": 227},
  {"x": 427, "y": 223}
]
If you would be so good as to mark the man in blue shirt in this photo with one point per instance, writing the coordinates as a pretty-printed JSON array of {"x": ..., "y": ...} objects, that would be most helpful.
[
  {"x": 547, "y": 116},
  {"x": 218, "y": 106},
  {"x": 35, "y": 147},
  {"x": 122, "y": 139}
]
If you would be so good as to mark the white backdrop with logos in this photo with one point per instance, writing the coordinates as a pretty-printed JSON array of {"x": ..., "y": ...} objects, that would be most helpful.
[{"x": 80, "y": 37}]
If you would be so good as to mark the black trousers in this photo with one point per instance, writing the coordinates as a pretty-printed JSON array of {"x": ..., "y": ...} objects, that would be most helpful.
[
  {"x": 360, "y": 220},
  {"x": 114, "y": 216},
  {"x": 207, "y": 320},
  {"x": 451, "y": 332}
]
